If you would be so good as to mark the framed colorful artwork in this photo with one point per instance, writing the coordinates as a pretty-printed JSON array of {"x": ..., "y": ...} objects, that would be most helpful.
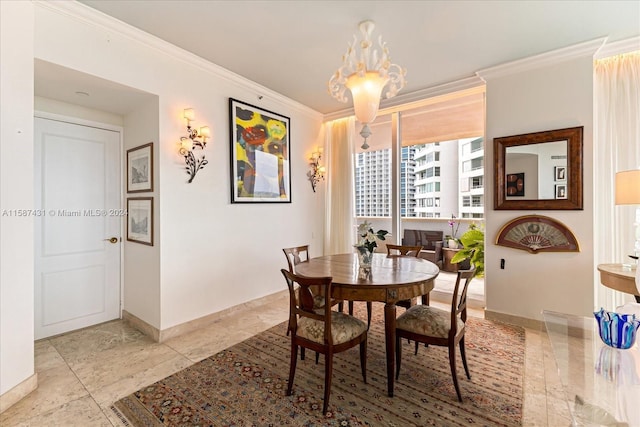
[
  {"x": 260, "y": 154},
  {"x": 140, "y": 220},
  {"x": 140, "y": 169}
]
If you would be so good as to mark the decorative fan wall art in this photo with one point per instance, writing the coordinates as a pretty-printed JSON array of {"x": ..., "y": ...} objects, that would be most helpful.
[{"x": 537, "y": 233}]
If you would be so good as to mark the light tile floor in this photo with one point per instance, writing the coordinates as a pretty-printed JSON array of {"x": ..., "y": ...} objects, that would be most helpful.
[{"x": 82, "y": 373}]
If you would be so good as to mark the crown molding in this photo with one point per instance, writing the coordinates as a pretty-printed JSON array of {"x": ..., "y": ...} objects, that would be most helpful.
[
  {"x": 618, "y": 48},
  {"x": 418, "y": 97},
  {"x": 95, "y": 18},
  {"x": 557, "y": 56}
]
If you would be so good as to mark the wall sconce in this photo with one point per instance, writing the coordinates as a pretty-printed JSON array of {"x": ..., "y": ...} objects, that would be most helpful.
[
  {"x": 190, "y": 142},
  {"x": 317, "y": 172}
]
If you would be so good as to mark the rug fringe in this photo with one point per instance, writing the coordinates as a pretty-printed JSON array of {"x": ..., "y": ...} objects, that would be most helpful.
[{"x": 123, "y": 419}]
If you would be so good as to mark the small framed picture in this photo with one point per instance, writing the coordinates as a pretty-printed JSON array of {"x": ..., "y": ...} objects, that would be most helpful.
[
  {"x": 140, "y": 220},
  {"x": 140, "y": 169},
  {"x": 560, "y": 173},
  {"x": 561, "y": 191},
  {"x": 515, "y": 184}
]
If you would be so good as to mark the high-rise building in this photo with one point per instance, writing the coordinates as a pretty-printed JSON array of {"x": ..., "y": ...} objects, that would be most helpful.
[
  {"x": 437, "y": 180},
  {"x": 471, "y": 177}
]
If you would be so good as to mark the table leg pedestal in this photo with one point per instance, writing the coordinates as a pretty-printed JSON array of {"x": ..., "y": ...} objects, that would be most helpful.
[{"x": 390, "y": 337}]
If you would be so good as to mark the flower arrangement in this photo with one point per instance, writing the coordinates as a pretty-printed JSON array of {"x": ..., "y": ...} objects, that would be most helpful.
[
  {"x": 367, "y": 237},
  {"x": 454, "y": 225}
]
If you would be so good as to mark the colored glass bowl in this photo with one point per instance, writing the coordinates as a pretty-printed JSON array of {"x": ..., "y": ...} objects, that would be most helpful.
[{"x": 617, "y": 330}]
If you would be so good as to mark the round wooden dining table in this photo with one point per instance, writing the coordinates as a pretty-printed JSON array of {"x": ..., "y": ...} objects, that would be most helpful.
[{"x": 389, "y": 280}]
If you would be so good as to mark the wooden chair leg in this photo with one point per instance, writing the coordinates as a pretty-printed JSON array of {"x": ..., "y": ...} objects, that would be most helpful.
[
  {"x": 363, "y": 359},
  {"x": 464, "y": 358},
  {"x": 302, "y": 353},
  {"x": 350, "y": 308},
  {"x": 317, "y": 357},
  {"x": 341, "y": 307},
  {"x": 425, "y": 299},
  {"x": 452, "y": 363},
  {"x": 328, "y": 372},
  {"x": 292, "y": 367},
  {"x": 398, "y": 356},
  {"x": 425, "y": 344}
]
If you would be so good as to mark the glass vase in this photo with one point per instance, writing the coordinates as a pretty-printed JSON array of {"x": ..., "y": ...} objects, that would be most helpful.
[{"x": 364, "y": 258}]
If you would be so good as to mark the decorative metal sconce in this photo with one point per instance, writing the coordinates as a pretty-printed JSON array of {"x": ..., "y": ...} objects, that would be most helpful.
[
  {"x": 190, "y": 142},
  {"x": 316, "y": 174}
]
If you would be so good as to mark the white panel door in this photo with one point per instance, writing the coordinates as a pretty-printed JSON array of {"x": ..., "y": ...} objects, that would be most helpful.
[{"x": 78, "y": 223}]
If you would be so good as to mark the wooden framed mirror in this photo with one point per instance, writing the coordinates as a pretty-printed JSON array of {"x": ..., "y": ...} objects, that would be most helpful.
[{"x": 541, "y": 170}]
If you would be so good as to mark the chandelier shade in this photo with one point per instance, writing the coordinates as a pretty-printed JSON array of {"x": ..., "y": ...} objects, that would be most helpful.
[{"x": 366, "y": 72}]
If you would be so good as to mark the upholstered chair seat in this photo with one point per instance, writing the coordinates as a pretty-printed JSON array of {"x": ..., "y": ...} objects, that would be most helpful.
[
  {"x": 434, "y": 326},
  {"x": 343, "y": 328},
  {"x": 320, "y": 329},
  {"x": 428, "y": 321}
]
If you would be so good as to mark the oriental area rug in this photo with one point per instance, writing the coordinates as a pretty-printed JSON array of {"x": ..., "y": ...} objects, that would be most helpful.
[{"x": 245, "y": 385}]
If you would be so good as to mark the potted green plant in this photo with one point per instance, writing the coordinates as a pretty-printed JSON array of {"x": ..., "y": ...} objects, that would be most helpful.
[{"x": 472, "y": 249}]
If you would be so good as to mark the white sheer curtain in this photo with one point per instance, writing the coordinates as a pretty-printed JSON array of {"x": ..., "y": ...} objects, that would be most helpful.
[
  {"x": 617, "y": 148},
  {"x": 339, "y": 233}
]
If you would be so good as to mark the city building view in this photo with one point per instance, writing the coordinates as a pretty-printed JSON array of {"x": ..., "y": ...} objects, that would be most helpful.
[{"x": 437, "y": 180}]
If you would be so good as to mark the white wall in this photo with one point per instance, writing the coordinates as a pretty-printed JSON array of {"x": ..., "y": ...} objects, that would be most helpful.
[
  {"x": 552, "y": 97},
  {"x": 16, "y": 192},
  {"x": 141, "y": 263},
  {"x": 212, "y": 254}
]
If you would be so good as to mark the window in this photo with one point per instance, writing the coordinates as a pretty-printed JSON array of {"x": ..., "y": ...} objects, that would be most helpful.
[
  {"x": 427, "y": 169},
  {"x": 477, "y": 182},
  {"x": 476, "y": 145}
]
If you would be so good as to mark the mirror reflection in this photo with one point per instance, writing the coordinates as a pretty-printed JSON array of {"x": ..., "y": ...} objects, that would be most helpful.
[{"x": 536, "y": 171}]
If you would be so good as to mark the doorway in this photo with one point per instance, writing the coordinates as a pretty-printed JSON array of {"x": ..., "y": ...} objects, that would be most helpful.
[{"x": 78, "y": 223}]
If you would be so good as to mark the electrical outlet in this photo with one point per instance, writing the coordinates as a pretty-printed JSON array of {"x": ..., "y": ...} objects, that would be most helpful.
[{"x": 502, "y": 264}]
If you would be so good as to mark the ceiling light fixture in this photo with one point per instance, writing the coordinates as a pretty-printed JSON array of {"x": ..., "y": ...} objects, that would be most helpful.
[{"x": 366, "y": 72}]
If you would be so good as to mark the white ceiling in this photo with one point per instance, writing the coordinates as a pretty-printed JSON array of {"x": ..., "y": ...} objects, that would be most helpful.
[{"x": 293, "y": 47}]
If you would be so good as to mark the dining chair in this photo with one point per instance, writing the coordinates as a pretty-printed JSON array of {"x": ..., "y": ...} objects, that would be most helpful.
[
  {"x": 431, "y": 325},
  {"x": 295, "y": 255},
  {"x": 405, "y": 250},
  {"x": 323, "y": 331}
]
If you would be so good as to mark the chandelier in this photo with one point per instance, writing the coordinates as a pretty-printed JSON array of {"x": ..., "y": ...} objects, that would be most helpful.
[{"x": 366, "y": 72}]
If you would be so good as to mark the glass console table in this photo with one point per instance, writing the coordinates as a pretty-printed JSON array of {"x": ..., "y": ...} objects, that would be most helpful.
[{"x": 601, "y": 384}]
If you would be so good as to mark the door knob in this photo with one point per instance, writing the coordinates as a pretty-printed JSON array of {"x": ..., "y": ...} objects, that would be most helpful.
[{"x": 112, "y": 240}]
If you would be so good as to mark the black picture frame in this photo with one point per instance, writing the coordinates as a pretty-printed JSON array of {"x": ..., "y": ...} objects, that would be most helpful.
[{"x": 260, "y": 154}]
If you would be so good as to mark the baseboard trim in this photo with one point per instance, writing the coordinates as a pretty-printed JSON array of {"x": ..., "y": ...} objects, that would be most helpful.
[
  {"x": 445, "y": 297},
  {"x": 13, "y": 396},
  {"x": 525, "y": 322},
  {"x": 147, "y": 329},
  {"x": 199, "y": 323}
]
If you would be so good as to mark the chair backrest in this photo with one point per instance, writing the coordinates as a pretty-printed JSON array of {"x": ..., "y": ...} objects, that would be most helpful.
[
  {"x": 302, "y": 304},
  {"x": 395, "y": 250},
  {"x": 459, "y": 297},
  {"x": 428, "y": 239},
  {"x": 296, "y": 255}
]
